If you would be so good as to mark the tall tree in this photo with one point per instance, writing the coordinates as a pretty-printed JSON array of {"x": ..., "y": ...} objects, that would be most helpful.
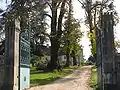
[
  {"x": 32, "y": 18},
  {"x": 71, "y": 39},
  {"x": 72, "y": 33},
  {"x": 68, "y": 26},
  {"x": 38, "y": 25},
  {"x": 72, "y": 36},
  {"x": 56, "y": 28},
  {"x": 93, "y": 12}
]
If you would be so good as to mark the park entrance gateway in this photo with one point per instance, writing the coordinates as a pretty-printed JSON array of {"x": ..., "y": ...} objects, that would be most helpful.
[{"x": 15, "y": 68}]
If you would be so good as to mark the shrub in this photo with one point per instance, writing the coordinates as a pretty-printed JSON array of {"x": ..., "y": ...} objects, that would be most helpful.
[
  {"x": 42, "y": 65},
  {"x": 39, "y": 62},
  {"x": 34, "y": 60}
]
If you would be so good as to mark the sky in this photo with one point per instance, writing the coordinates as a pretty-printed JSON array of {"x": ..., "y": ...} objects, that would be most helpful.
[
  {"x": 79, "y": 14},
  {"x": 3, "y": 4}
]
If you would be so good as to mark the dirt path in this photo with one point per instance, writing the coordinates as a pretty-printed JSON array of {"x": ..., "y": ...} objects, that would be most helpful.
[{"x": 76, "y": 81}]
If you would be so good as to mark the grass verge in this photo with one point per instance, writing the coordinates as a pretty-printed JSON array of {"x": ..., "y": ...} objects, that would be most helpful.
[
  {"x": 41, "y": 78},
  {"x": 93, "y": 78}
]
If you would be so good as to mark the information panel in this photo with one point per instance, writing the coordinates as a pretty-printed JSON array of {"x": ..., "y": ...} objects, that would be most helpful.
[{"x": 24, "y": 62}]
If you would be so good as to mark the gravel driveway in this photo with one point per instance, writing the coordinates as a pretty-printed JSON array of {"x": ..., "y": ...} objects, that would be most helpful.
[{"x": 76, "y": 81}]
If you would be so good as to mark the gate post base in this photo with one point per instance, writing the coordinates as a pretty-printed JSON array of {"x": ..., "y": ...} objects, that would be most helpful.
[
  {"x": 6, "y": 87},
  {"x": 111, "y": 87}
]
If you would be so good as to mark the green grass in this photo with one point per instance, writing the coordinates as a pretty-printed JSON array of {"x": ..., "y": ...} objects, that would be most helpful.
[
  {"x": 38, "y": 77},
  {"x": 93, "y": 79}
]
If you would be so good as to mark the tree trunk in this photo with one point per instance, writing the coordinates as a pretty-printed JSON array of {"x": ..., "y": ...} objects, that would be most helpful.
[
  {"x": 74, "y": 61},
  {"x": 56, "y": 32},
  {"x": 79, "y": 61},
  {"x": 67, "y": 60},
  {"x": 54, "y": 54},
  {"x": 53, "y": 62}
]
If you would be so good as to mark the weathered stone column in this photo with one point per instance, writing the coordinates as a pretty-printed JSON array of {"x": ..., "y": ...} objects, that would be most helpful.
[
  {"x": 108, "y": 52},
  {"x": 11, "y": 75}
]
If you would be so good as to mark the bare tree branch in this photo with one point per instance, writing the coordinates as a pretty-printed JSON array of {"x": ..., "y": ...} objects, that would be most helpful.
[
  {"x": 58, "y": 4},
  {"x": 62, "y": 12},
  {"x": 48, "y": 16},
  {"x": 46, "y": 2},
  {"x": 82, "y": 3},
  {"x": 46, "y": 34}
]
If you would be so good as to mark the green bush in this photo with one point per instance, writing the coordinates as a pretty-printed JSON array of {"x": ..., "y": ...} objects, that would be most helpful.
[
  {"x": 93, "y": 79},
  {"x": 42, "y": 65},
  {"x": 34, "y": 60},
  {"x": 39, "y": 62}
]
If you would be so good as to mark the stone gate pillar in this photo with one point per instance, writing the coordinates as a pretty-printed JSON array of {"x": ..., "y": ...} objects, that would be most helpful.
[
  {"x": 108, "y": 52},
  {"x": 11, "y": 64}
]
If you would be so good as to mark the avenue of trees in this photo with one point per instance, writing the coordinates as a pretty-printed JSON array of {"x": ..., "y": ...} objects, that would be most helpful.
[
  {"x": 65, "y": 32},
  {"x": 93, "y": 12}
]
